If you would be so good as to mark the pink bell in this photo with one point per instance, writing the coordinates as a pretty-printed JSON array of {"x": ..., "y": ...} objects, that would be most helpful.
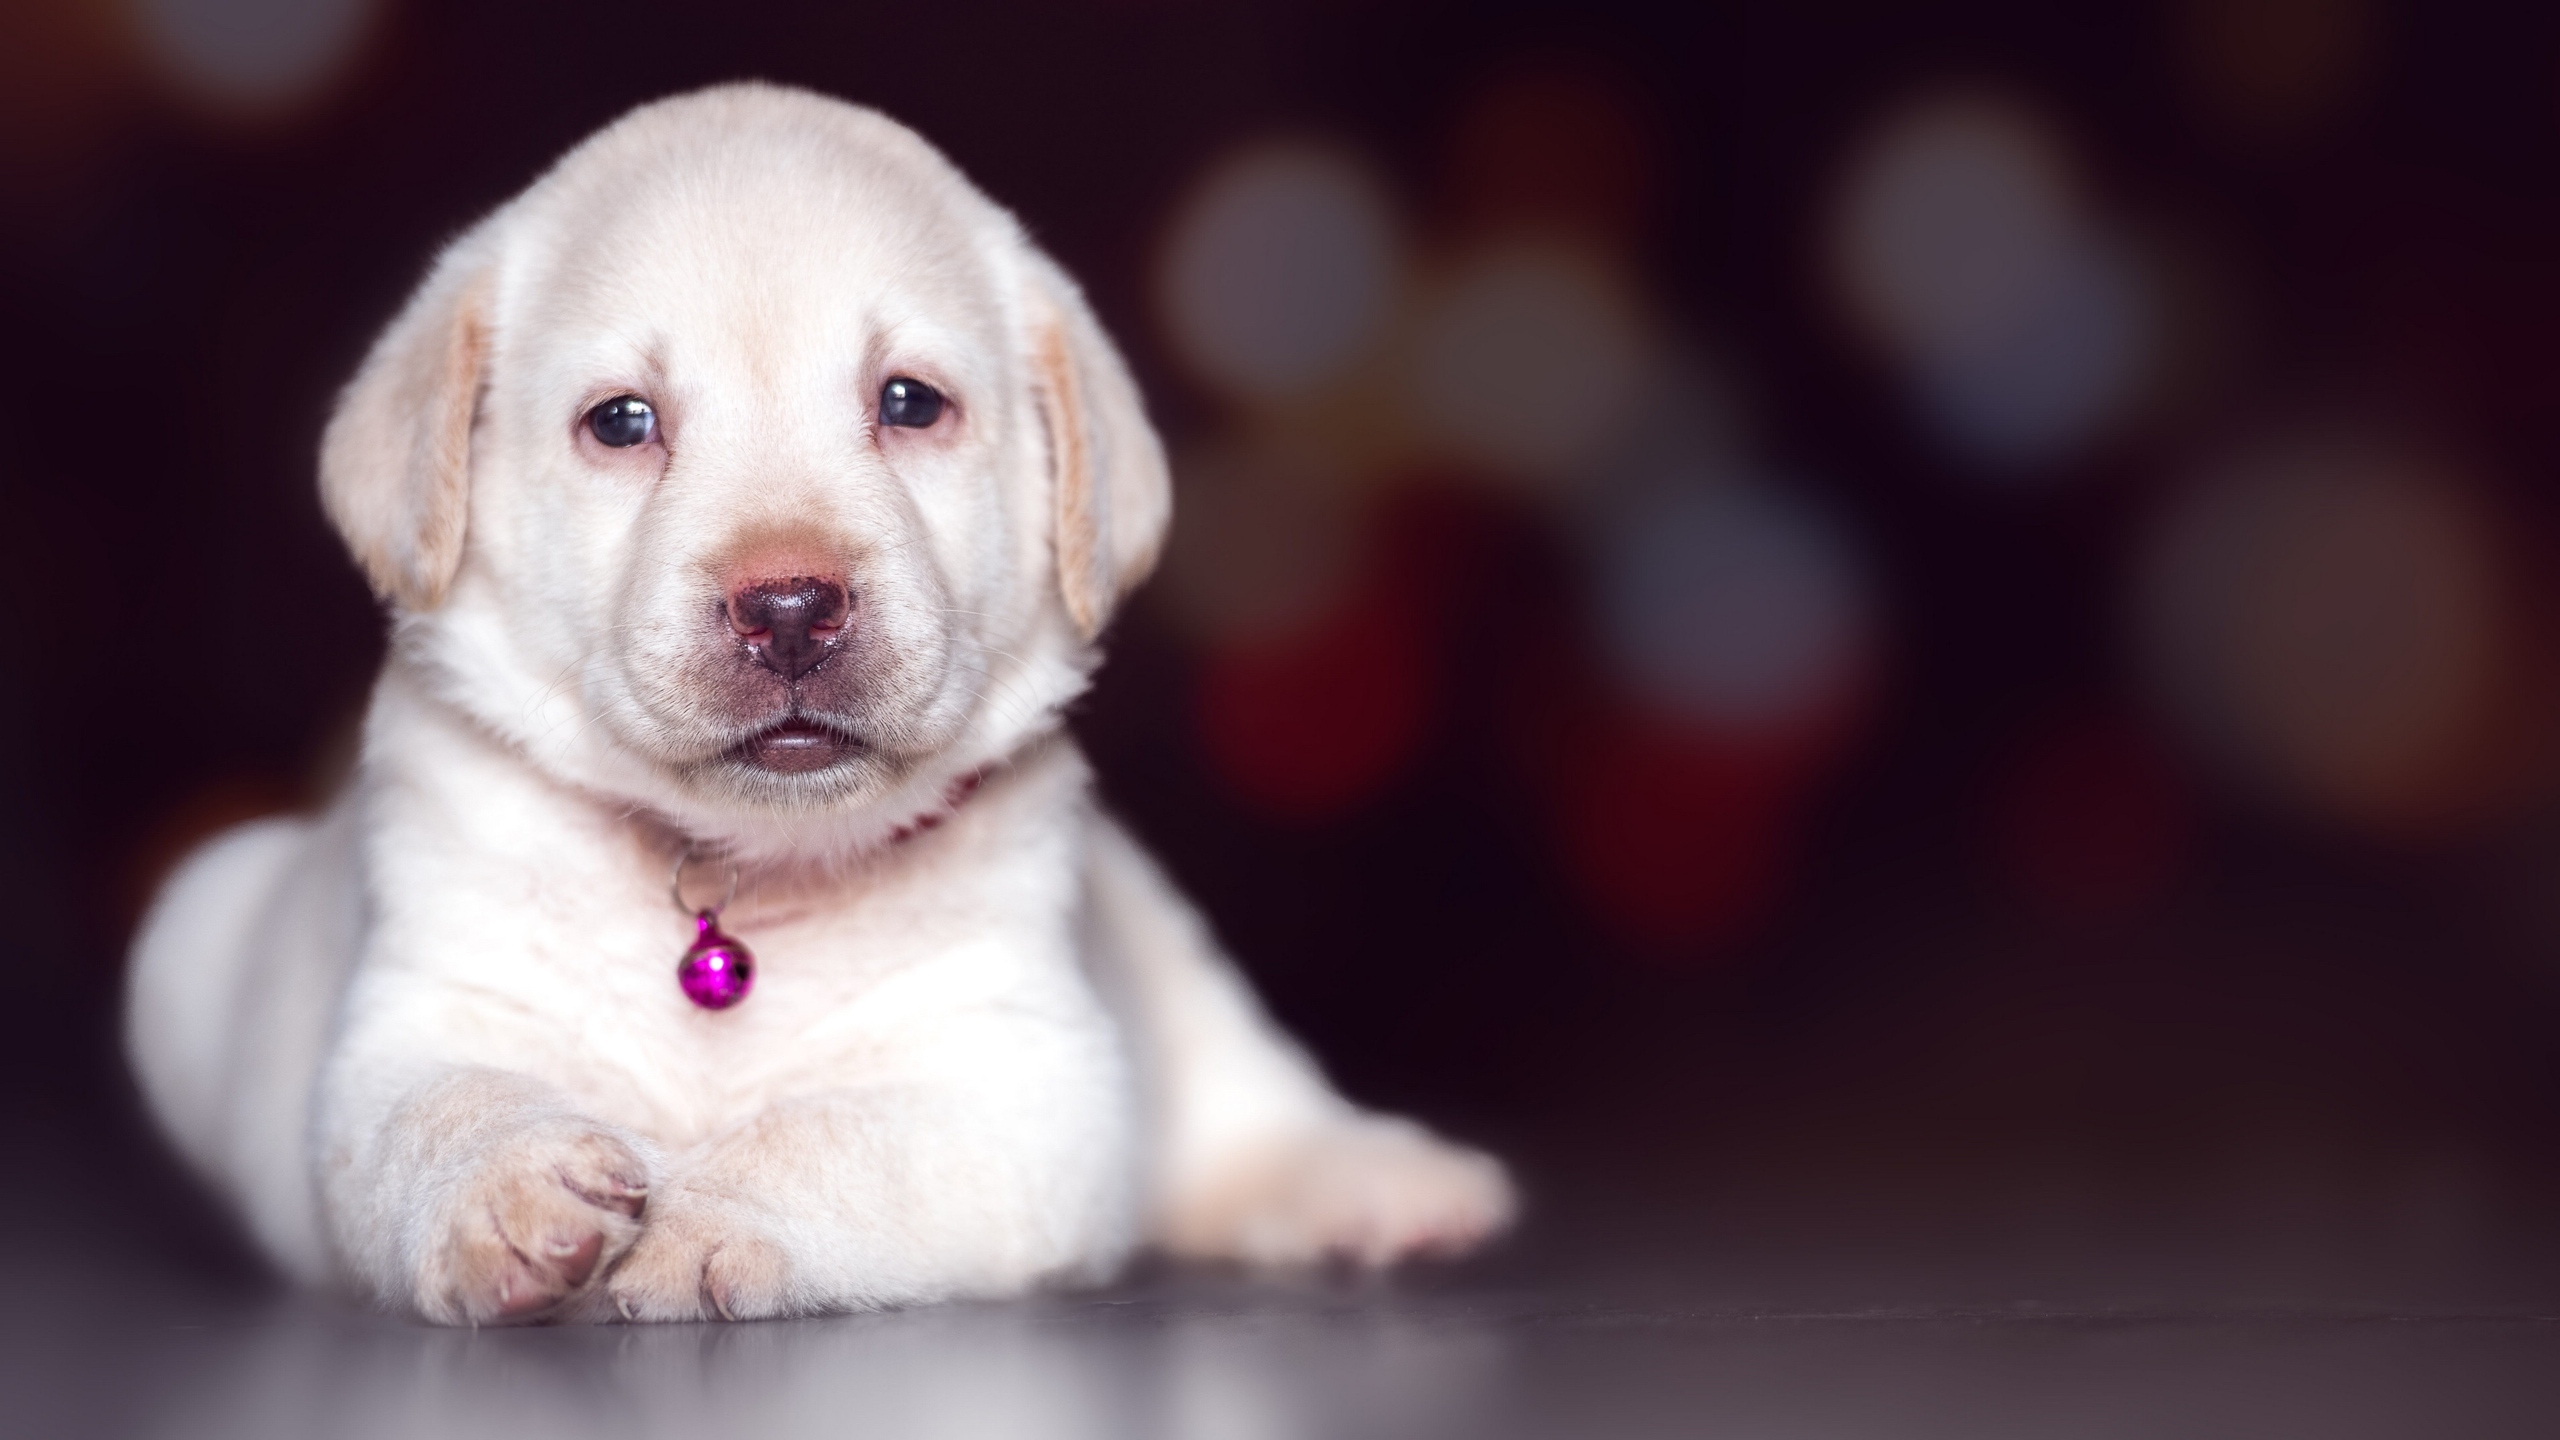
[{"x": 718, "y": 971}]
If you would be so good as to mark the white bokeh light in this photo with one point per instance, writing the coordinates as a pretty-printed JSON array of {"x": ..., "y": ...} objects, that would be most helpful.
[
  {"x": 1730, "y": 603},
  {"x": 255, "y": 54},
  {"x": 1956, "y": 221},
  {"x": 2061, "y": 372},
  {"x": 1280, "y": 271},
  {"x": 1964, "y": 251}
]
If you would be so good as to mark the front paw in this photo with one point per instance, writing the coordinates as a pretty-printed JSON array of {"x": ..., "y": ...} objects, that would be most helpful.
[
  {"x": 700, "y": 1259},
  {"x": 1372, "y": 1191},
  {"x": 547, "y": 1210}
]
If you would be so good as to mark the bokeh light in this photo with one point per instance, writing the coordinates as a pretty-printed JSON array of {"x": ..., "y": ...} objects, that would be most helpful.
[
  {"x": 1306, "y": 722},
  {"x": 1551, "y": 148},
  {"x": 1730, "y": 666},
  {"x": 1677, "y": 840},
  {"x": 1957, "y": 220},
  {"x": 1731, "y": 603},
  {"x": 1279, "y": 270},
  {"x": 64, "y": 75},
  {"x": 253, "y": 55},
  {"x": 2335, "y": 618},
  {"x": 2270, "y": 71},
  {"x": 2071, "y": 365},
  {"x": 1965, "y": 252},
  {"x": 1528, "y": 361},
  {"x": 1270, "y": 534}
]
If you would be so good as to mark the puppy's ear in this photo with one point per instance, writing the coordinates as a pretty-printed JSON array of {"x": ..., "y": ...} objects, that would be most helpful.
[
  {"x": 395, "y": 465},
  {"x": 1113, "y": 498}
]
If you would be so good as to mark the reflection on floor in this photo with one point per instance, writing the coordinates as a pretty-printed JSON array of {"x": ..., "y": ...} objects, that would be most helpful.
[{"x": 1186, "y": 1360}]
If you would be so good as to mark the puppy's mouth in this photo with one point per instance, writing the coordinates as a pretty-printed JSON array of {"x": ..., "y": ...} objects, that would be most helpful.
[{"x": 796, "y": 746}]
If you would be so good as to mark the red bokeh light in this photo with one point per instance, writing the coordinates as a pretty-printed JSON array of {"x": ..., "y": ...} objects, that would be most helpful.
[
  {"x": 1308, "y": 723},
  {"x": 1676, "y": 837},
  {"x": 1681, "y": 836},
  {"x": 1305, "y": 725}
]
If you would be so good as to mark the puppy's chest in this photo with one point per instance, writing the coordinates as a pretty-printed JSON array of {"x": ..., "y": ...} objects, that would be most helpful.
[{"x": 851, "y": 987}]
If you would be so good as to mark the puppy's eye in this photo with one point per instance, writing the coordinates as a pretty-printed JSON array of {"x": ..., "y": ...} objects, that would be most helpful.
[
  {"x": 624, "y": 421},
  {"x": 911, "y": 403}
]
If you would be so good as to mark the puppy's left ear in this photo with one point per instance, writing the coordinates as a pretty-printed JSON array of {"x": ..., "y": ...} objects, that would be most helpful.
[{"x": 1112, "y": 498}]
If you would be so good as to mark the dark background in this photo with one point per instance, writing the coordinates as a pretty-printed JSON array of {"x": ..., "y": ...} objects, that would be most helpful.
[{"x": 2267, "y": 1018}]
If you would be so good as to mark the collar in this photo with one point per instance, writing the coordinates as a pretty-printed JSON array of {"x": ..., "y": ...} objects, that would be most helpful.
[{"x": 954, "y": 795}]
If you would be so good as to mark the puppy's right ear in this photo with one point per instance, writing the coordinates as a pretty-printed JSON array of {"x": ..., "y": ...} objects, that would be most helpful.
[{"x": 395, "y": 465}]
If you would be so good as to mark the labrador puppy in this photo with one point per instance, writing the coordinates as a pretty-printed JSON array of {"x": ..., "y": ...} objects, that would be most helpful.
[{"x": 748, "y": 496}]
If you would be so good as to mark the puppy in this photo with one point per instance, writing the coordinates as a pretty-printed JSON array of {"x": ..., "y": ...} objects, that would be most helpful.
[{"x": 748, "y": 496}]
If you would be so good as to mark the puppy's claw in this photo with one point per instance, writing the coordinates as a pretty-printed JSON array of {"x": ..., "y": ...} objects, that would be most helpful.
[
  {"x": 697, "y": 1261},
  {"x": 531, "y": 1231}
]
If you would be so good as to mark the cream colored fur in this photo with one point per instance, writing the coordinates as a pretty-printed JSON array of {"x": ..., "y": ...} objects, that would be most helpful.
[{"x": 430, "y": 1043}]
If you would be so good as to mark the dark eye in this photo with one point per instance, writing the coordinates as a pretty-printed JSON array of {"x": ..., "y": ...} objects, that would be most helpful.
[
  {"x": 623, "y": 421},
  {"x": 911, "y": 403}
]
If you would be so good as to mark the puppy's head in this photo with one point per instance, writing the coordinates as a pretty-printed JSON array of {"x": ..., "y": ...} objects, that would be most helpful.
[{"x": 750, "y": 463}]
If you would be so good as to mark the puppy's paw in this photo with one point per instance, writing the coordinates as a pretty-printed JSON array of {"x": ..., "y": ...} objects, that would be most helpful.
[
  {"x": 547, "y": 1210},
  {"x": 1373, "y": 1191},
  {"x": 700, "y": 1260}
]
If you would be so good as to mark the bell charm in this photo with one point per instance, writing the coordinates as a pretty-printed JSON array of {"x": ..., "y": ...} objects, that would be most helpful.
[{"x": 718, "y": 971}]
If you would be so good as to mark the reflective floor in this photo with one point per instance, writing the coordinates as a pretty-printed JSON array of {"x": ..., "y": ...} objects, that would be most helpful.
[
  {"x": 1192, "y": 1360},
  {"x": 1624, "y": 1311}
]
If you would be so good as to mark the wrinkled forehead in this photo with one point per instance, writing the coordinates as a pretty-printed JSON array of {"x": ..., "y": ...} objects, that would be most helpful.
[{"x": 762, "y": 255}]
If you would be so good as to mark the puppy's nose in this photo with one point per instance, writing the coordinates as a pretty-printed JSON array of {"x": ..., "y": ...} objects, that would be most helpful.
[{"x": 791, "y": 625}]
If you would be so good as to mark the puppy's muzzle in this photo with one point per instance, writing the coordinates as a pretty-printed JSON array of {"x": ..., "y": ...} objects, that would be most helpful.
[{"x": 791, "y": 626}]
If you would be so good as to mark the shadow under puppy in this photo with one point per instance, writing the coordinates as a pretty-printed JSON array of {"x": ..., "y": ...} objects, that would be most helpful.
[{"x": 748, "y": 494}]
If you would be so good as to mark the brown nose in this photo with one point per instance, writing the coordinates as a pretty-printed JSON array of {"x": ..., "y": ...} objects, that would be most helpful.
[{"x": 791, "y": 625}]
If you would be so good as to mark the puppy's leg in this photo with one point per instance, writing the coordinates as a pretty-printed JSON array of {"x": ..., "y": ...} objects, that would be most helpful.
[
  {"x": 1255, "y": 1158},
  {"x": 990, "y": 1157},
  {"x": 476, "y": 1196}
]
